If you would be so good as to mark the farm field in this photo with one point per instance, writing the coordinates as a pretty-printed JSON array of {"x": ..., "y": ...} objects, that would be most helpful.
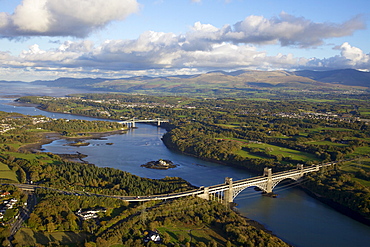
[
  {"x": 189, "y": 233},
  {"x": 27, "y": 237},
  {"x": 356, "y": 165},
  {"x": 7, "y": 175},
  {"x": 274, "y": 150}
]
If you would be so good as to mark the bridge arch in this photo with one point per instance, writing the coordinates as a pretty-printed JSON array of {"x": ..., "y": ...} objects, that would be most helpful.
[{"x": 230, "y": 189}]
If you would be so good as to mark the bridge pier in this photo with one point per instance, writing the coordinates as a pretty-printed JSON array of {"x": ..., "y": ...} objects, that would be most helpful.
[
  {"x": 268, "y": 172},
  {"x": 228, "y": 195},
  {"x": 300, "y": 167},
  {"x": 205, "y": 194}
]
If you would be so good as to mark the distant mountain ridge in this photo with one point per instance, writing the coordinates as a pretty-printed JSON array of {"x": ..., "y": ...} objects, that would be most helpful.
[
  {"x": 349, "y": 77},
  {"x": 221, "y": 80}
]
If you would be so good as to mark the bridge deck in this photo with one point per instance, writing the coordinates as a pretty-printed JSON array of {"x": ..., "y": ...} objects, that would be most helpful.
[{"x": 243, "y": 183}]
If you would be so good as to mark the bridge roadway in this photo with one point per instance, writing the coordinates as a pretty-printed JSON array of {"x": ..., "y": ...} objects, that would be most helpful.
[
  {"x": 224, "y": 192},
  {"x": 131, "y": 122}
]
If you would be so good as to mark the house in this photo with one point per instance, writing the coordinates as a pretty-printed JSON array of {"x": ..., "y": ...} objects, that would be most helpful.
[
  {"x": 6, "y": 193},
  {"x": 152, "y": 236},
  {"x": 90, "y": 214}
]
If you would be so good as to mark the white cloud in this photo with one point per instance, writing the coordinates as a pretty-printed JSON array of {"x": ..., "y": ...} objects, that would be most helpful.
[
  {"x": 350, "y": 57},
  {"x": 76, "y": 18},
  {"x": 205, "y": 47},
  {"x": 287, "y": 30},
  {"x": 355, "y": 56},
  {"x": 163, "y": 52}
]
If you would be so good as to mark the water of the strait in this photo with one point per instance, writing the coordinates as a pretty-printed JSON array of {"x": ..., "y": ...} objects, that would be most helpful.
[{"x": 294, "y": 216}]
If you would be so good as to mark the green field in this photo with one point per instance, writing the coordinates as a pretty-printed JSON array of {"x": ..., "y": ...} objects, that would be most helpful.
[
  {"x": 317, "y": 130},
  {"x": 27, "y": 237},
  {"x": 7, "y": 175},
  {"x": 228, "y": 125},
  {"x": 274, "y": 150},
  {"x": 285, "y": 152},
  {"x": 189, "y": 233},
  {"x": 354, "y": 166},
  {"x": 30, "y": 156},
  {"x": 361, "y": 151},
  {"x": 328, "y": 143},
  {"x": 246, "y": 154}
]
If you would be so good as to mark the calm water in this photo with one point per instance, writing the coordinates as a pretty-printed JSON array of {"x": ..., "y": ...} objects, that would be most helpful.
[{"x": 294, "y": 216}]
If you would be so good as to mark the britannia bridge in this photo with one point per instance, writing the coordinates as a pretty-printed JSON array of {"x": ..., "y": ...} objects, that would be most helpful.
[
  {"x": 229, "y": 190},
  {"x": 225, "y": 192},
  {"x": 131, "y": 122}
]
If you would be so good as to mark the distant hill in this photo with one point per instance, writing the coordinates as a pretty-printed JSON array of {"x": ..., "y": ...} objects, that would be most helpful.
[
  {"x": 221, "y": 81},
  {"x": 70, "y": 82},
  {"x": 349, "y": 77}
]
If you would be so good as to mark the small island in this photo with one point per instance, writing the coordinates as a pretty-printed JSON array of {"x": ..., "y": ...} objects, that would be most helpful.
[
  {"x": 78, "y": 144},
  {"x": 159, "y": 164}
]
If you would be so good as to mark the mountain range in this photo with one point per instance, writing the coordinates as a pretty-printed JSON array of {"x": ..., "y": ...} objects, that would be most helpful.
[{"x": 345, "y": 79}]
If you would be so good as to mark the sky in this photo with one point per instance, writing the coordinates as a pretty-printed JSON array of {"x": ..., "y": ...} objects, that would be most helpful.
[{"x": 49, "y": 39}]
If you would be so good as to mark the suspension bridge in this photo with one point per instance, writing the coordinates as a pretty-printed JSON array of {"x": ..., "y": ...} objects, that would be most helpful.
[{"x": 131, "y": 122}]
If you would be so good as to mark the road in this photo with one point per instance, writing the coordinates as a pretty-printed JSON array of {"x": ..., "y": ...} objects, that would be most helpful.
[{"x": 24, "y": 214}]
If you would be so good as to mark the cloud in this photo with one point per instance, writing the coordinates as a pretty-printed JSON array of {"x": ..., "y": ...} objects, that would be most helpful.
[
  {"x": 350, "y": 57},
  {"x": 112, "y": 59},
  {"x": 160, "y": 53},
  {"x": 204, "y": 47},
  {"x": 287, "y": 30},
  {"x": 355, "y": 56},
  {"x": 63, "y": 17}
]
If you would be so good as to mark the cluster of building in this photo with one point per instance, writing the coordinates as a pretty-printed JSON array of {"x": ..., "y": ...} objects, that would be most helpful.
[
  {"x": 5, "y": 127},
  {"x": 316, "y": 115},
  {"x": 8, "y": 204},
  {"x": 128, "y": 105},
  {"x": 10, "y": 123}
]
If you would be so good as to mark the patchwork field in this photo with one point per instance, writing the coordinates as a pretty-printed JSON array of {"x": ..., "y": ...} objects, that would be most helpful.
[{"x": 356, "y": 165}]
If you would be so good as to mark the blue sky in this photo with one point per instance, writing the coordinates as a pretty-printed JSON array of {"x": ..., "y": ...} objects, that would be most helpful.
[{"x": 48, "y": 39}]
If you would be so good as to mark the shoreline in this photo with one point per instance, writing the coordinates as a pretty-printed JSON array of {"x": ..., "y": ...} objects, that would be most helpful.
[
  {"x": 337, "y": 207},
  {"x": 49, "y": 137},
  {"x": 327, "y": 201}
]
